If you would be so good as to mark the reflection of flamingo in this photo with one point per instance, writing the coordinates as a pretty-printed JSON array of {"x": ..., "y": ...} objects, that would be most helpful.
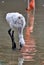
[
  {"x": 29, "y": 50},
  {"x": 30, "y": 14},
  {"x": 31, "y": 5}
]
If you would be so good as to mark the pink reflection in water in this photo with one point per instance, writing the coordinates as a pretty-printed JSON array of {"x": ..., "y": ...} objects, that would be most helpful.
[{"x": 29, "y": 50}]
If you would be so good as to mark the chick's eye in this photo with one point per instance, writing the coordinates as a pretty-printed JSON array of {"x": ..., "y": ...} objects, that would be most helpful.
[{"x": 19, "y": 17}]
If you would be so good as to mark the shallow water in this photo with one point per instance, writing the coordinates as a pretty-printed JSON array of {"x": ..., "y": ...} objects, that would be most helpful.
[{"x": 7, "y": 55}]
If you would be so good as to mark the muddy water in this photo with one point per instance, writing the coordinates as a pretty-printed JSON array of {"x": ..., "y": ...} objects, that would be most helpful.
[{"x": 7, "y": 55}]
